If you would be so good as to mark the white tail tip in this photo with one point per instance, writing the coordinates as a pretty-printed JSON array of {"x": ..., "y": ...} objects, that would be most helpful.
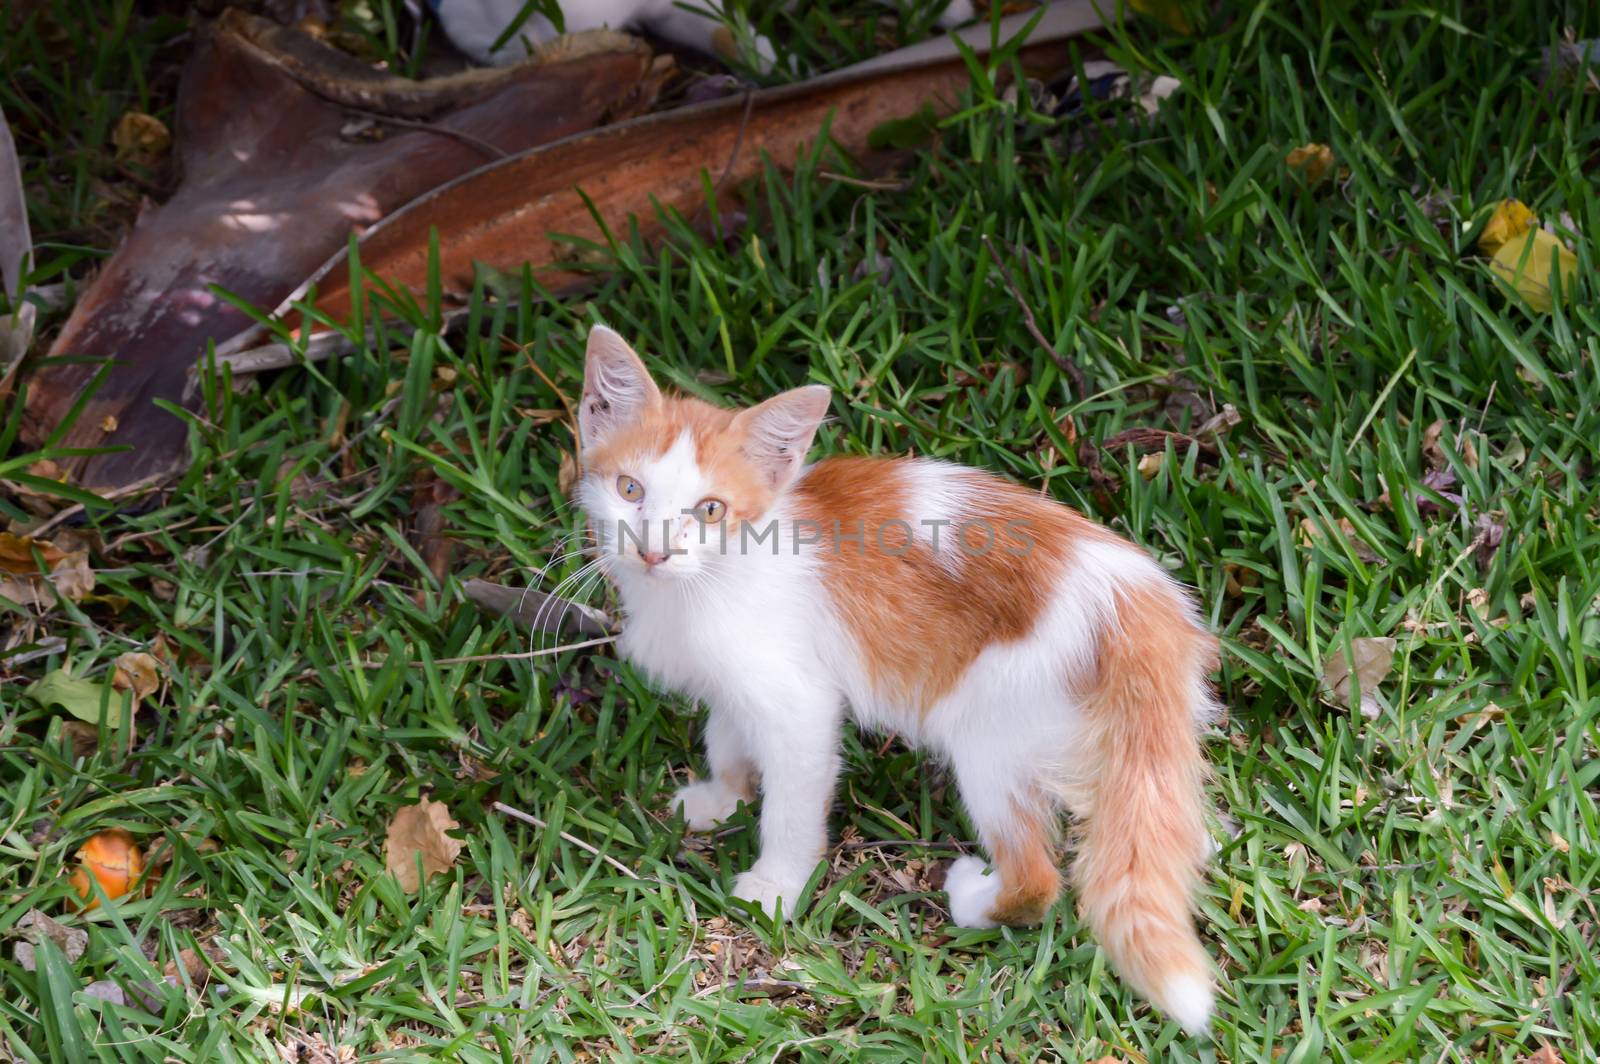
[{"x": 1189, "y": 1001}]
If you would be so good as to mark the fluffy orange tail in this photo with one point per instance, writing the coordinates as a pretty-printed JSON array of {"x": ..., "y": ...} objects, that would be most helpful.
[{"x": 1144, "y": 839}]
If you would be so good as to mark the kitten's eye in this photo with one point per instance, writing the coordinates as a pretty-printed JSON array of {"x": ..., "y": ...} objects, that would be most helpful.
[
  {"x": 711, "y": 510},
  {"x": 630, "y": 489}
]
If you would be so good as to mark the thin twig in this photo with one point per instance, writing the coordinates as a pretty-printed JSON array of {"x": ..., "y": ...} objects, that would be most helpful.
[
  {"x": 429, "y": 127},
  {"x": 738, "y": 140},
  {"x": 1079, "y": 383},
  {"x": 546, "y": 652},
  {"x": 147, "y": 483},
  {"x": 733, "y": 155},
  {"x": 529, "y": 818},
  {"x": 874, "y": 184},
  {"x": 751, "y": 984},
  {"x": 925, "y": 844}
]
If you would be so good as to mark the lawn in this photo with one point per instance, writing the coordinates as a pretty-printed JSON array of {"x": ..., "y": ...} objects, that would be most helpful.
[{"x": 1413, "y": 457}]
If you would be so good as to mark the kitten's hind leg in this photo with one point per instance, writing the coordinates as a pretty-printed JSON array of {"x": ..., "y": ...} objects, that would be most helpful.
[
  {"x": 1017, "y": 825},
  {"x": 709, "y": 802}
]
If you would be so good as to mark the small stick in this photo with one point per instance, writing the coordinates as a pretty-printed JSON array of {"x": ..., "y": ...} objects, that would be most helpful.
[
  {"x": 529, "y": 818},
  {"x": 1067, "y": 367},
  {"x": 524, "y": 606},
  {"x": 546, "y": 652},
  {"x": 476, "y": 143},
  {"x": 876, "y": 185}
]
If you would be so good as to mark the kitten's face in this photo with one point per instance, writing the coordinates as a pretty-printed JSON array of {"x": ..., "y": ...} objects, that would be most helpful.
[
  {"x": 669, "y": 483},
  {"x": 665, "y": 497}
]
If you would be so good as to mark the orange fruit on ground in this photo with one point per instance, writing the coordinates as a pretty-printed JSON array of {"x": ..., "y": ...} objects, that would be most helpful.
[{"x": 113, "y": 859}]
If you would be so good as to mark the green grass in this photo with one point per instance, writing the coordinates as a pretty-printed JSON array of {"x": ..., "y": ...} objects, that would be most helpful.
[{"x": 1395, "y": 890}]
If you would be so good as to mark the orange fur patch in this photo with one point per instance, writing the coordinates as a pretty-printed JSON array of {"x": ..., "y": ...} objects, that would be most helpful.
[
  {"x": 920, "y": 621},
  {"x": 718, "y": 450},
  {"x": 1025, "y": 857},
  {"x": 1144, "y": 838}
]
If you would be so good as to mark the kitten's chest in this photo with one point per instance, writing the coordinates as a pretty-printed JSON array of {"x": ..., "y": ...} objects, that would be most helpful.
[{"x": 703, "y": 648}]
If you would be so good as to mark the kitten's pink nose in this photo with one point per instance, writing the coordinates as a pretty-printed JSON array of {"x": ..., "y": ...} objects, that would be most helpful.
[{"x": 652, "y": 558}]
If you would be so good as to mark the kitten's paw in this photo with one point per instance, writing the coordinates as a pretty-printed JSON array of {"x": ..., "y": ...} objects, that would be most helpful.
[
  {"x": 956, "y": 12},
  {"x": 972, "y": 889},
  {"x": 752, "y": 886},
  {"x": 705, "y": 805}
]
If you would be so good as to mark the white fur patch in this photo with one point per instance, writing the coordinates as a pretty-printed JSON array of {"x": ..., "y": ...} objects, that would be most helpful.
[
  {"x": 1189, "y": 1001},
  {"x": 939, "y": 498},
  {"x": 704, "y": 805},
  {"x": 972, "y": 887},
  {"x": 768, "y": 894}
]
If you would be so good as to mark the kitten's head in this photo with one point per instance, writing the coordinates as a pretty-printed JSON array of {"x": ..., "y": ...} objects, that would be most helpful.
[{"x": 668, "y": 482}]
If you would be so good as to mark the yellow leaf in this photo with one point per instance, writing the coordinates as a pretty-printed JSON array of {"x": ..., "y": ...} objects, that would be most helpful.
[
  {"x": 1169, "y": 12},
  {"x": 1312, "y": 160},
  {"x": 139, "y": 135},
  {"x": 1524, "y": 263},
  {"x": 420, "y": 829},
  {"x": 1511, "y": 218}
]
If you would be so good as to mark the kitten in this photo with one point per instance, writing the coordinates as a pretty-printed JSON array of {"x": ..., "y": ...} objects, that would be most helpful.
[
  {"x": 473, "y": 26},
  {"x": 1054, "y": 665}
]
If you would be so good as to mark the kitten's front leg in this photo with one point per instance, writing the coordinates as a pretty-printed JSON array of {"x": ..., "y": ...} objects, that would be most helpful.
[
  {"x": 709, "y": 802},
  {"x": 797, "y": 754}
]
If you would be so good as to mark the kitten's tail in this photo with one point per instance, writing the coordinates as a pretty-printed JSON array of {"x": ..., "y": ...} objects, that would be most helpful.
[{"x": 1144, "y": 838}]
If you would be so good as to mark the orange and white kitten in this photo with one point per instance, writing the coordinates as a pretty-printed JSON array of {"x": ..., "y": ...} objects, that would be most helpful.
[{"x": 1053, "y": 664}]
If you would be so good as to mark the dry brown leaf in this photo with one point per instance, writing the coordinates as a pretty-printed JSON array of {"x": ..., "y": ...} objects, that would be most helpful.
[
  {"x": 1374, "y": 959},
  {"x": 1561, "y": 844},
  {"x": 25, "y": 592},
  {"x": 420, "y": 829},
  {"x": 1374, "y": 657},
  {"x": 1219, "y": 423},
  {"x": 35, "y": 927},
  {"x": 16, "y": 553},
  {"x": 72, "y": 576},
  {"x": 1312, "y": 160},
  {"x": 84, "y": 738},
  {"x": 193, "y": 963},
  {"x": 1238, "y": 577},
  {"x": 1546, "y": 1054},
  {"x": 315, "y": 1049},
  {"x": 1311, "y": 532},
  {"x": 141, "y": 136},
  {"x": 1430, "y": 445},
  {"x": 136, "y": 672}
]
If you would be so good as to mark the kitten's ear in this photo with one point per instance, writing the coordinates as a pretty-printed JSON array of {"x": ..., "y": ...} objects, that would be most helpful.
[
  {"x": 778, "y": 433},
  {"x": 617, "y": 389}
]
